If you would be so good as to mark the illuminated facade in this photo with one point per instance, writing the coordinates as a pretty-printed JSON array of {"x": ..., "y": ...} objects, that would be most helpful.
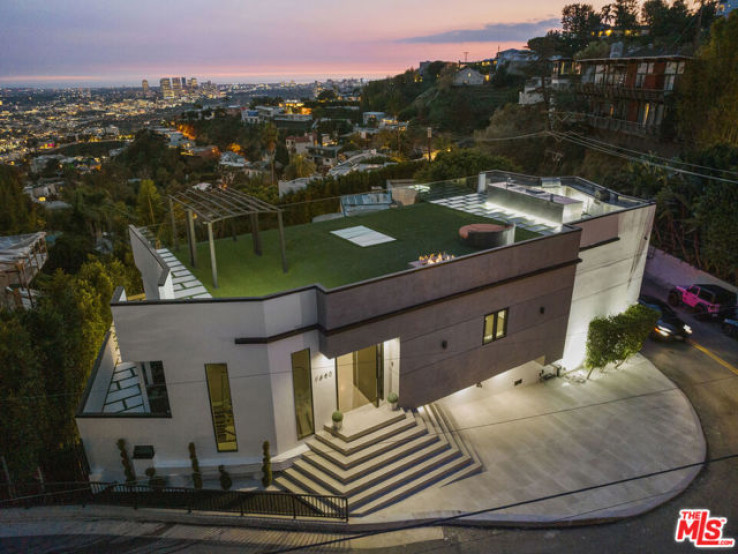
[{"x": 230, "y": 373}]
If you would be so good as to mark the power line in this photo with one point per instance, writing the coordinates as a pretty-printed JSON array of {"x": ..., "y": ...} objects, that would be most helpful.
[
  {"x": 649, "y": 155},
  {"x": 643, "y": 161}
]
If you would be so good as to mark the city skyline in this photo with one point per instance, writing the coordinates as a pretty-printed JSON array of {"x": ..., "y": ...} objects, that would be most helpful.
[{"x": 86, "y": 43}]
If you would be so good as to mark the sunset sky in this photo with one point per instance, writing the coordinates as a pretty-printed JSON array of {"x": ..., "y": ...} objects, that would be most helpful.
[{"x": 110, "y": 42}]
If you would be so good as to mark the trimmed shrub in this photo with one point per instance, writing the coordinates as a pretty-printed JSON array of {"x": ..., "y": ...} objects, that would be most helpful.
[
  {"x": 126, "y": 461},
  {"x": 266, "y": 468},
  {"x": 196, "y": 475},
  {"x": 225, "y": 479}
]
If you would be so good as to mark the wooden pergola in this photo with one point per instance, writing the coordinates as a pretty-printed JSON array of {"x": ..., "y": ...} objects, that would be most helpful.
[{"x": 218, "y": 204}]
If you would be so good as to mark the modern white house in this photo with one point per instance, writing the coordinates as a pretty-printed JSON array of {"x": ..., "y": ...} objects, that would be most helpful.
[{"x": 231, "y": 367}]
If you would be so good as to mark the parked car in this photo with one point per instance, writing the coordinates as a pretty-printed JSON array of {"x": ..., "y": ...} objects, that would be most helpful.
[
  {"x": 707, "y": 300},
  {"x": 669, "y": 326},
  {"x": 729, "y": 321}
]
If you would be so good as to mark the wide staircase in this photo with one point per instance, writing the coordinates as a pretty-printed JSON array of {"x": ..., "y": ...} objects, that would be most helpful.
[{"x": 381, "y": 456}]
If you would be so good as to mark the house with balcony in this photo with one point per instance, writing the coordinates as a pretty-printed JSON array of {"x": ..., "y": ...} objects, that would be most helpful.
[
  {"x": 629, "y": 95},
  {"x": 493, "y": 279}
]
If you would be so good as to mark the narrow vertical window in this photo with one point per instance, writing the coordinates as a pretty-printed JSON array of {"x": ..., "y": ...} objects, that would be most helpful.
[
  {"x": 156, "y": 389},
  {"x": 303, "y": 391},
  {"x": 501, "y": 324},
  {"x": 495, "y": 326},
  {"x": 220, "y": 405}
]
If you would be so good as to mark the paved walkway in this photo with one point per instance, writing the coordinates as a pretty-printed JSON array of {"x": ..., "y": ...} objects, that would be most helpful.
[
  {"x": 186, "y": 285},
  {"x": 564, "y": 435}
]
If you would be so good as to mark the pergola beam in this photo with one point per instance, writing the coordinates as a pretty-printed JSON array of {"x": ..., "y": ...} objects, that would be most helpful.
[{"x": 219, "y": 204}]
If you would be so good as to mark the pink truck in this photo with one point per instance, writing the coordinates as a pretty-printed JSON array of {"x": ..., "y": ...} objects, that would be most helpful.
[{"x": 706, "y": 300}]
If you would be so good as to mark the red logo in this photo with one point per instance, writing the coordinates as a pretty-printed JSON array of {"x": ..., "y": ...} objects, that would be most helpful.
[{"x": 704, "y": 531}]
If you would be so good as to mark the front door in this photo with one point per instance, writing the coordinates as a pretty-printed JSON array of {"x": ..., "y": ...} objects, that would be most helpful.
[{"x": 360, "y": 376}]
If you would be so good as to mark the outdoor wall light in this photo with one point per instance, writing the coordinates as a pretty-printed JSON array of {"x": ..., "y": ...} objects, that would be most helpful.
[
  {"x": 542, "y": 310},
  {"x": 444, "y": 344}
]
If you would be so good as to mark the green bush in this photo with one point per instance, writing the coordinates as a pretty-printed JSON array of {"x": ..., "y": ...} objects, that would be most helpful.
[
  {"x": 225, "y": 479},
  {"x": 337, "y": 416},
  {"x": 392, "y": 397},
  {"x": 266, "y": 468},
  {"x": 196, "y": 475},
  {"x": 126, "y": 461},
  {"x": 616, "y": 338}
]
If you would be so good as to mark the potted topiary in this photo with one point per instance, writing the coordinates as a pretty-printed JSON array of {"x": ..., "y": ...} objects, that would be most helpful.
[
  {"x": 225, "y": 479},
  {"x": 337, "y": 418},
  {"x": 392, "y": 398}
]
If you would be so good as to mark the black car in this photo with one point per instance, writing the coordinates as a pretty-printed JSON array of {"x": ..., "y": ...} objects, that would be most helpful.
[
  {"x": 669, "y": 326},
  {"x": 728, "y": 317}
]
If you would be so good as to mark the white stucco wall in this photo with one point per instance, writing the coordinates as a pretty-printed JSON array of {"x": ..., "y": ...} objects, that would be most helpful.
[
  {"x": 608, "y": 279},
  {"x": 156, "y": 277}
]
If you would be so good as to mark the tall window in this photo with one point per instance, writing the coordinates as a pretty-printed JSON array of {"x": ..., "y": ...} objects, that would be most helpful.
[
  {"x": 495, "y": 326},
  {"x": 156, "y": 389},
  {"x": 220, "y": 405},
  {"x": 302, "y": 387}
]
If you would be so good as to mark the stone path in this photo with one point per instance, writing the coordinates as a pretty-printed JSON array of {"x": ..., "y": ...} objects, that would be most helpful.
[
  {"x": 476, "y": 204},
  {"x": 186, "y": 285}
]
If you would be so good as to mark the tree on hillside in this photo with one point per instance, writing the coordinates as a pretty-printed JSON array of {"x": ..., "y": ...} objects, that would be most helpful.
[
  {"x": 17, "y": 214},
  {"x": 25, "y": 418},
  {"x": 270, "y": 135},
  {"x": 708, "y": 93},
  {"x": 464, "y": 162},
  {"x": 149, "y": 206},
  {"x": 511, "y": 121},
  {"x": 299, "y": 166},
  {"x": 578, "y": 22},
  {"x": 625, "y": 14}
]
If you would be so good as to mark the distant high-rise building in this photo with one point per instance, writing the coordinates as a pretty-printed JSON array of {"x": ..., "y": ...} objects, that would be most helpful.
[
  {"x": 166, "y": 87},
  {"x": 177, "y": 86},
  {"x": 184, "y": 83},
  {"x": 145, "y": 87},
  {"x": 193, "y": 84}
]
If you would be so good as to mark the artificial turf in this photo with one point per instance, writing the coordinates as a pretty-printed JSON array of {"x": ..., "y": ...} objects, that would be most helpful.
[{"x": 315, "y": 255}]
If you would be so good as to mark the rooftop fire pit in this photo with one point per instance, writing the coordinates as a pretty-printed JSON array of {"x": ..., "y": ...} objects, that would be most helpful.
[{"x": 487, "y": 235}]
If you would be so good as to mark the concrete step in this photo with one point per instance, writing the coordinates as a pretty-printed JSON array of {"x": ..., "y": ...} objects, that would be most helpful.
[
  {"x": 408, "y": 488},
  {"x": 347, "y": 461},
  {"x": 355, "y": 424},
  {"x": 383, "y": 473},
  {"x": 417, "y": 474},
  {"x": 364, "y": 440},
  {"x": 290, "y": 486},
  {"x": 456, "y": 439},
  {"x": 356, "y": 471},
  {"x": 293, "y": 481}
]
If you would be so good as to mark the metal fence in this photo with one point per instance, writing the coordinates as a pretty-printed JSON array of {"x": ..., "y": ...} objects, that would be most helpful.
[{"x": 252, "y": 503}]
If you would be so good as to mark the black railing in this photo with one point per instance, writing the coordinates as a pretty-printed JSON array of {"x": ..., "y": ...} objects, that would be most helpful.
[{"x": 252, "y": 503}]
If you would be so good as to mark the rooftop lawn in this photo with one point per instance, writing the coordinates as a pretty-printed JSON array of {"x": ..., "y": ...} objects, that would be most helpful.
[{"x": 315, "y": 255}]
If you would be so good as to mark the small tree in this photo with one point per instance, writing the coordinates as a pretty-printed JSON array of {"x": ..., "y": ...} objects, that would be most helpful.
[
  {"x": 196, "y": 475},
  {"x": 266, "y": 468},
  {"x": 225, "y": 479},
  {"x": 126, "y": 461},
  {"x": 616, "y": 338}
]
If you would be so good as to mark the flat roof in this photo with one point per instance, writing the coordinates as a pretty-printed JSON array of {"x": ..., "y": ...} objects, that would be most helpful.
[{"x": 317, "y": 255}]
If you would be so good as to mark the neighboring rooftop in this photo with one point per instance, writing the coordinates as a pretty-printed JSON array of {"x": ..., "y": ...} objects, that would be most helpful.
[{"x": 316, "y": 255}]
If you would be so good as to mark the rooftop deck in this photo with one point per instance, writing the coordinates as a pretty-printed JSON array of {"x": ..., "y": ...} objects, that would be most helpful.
[{"x": 316, "y": 255}]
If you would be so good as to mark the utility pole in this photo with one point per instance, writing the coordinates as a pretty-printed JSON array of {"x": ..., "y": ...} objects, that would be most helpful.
[
  {"x": 430, "y": 136},
  {"x": 466, "y": 55}
]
